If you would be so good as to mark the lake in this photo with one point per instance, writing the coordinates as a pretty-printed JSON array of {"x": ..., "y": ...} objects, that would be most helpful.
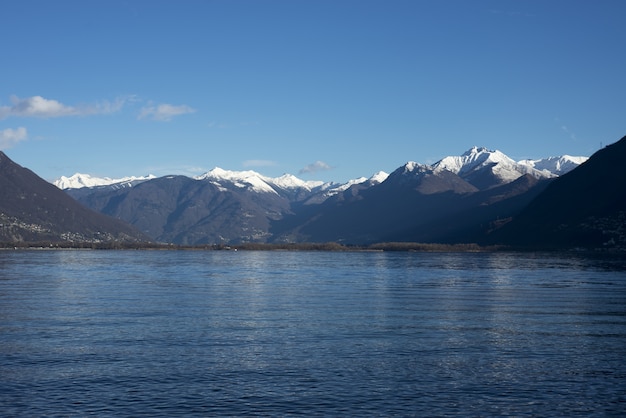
[{"x": 197, "y": 333}]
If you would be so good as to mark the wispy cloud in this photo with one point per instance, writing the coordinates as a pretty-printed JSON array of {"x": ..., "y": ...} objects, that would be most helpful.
[
  {"x": 214, "y": 124},
  {"x": 40, "y": 107},
  {"x": 568, "y": 132},
  {"x": 259, "y": 163},
  {"x": 565, "y": 129},
  {"x": 10, "y": 137},
  {"x": 315, "y": 167},
  {"x": 164, "y": 112}
]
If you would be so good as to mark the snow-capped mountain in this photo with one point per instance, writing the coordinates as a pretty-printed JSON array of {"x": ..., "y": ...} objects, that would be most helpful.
[
  {"x": 378, "y": 177},
  {"x": 245, "y": 206},
  {"x": 479, "y": 166},
  {"x": 286, "y": 185},
  {"x": 555, "y": 165},
  {"x": 487, "y": 168},
  {"x": 289, "y": 181},
  {"x": 428, "y": 179},
  {"x": 452, "y": 201},
  {"x": 375, "y": 179},
  {"x": 332, "y": 189},
  {"x": 256, "y": 182},
  {"x": 79, "y": 180},
  {"x": 250, "y": 180}
]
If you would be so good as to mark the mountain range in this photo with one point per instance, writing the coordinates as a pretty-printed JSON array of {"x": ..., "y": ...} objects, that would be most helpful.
[
  {"x": 458, "y": 199},
  {"x": 481, "y": 196}
]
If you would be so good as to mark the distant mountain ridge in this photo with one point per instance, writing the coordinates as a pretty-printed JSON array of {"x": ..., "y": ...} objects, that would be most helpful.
[
  {"x": 473, "y": 161},
  {"x": 555, "y": 165},
  {"x": 485, "y": 168},
  {"x": 481, "y": 196},
  {"x": 222, "y": 206},
  {"x": 79, "y": 180}
]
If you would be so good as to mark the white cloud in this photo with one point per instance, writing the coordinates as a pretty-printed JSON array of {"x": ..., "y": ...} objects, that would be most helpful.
[
  {"x": 164, "y": 112},
  {"x": 259, "y": 163},
  {"x": 36, "y": 106},
  {"x": 10, "y": 137},
  {"x": 106, "y": 107},
  {"x": 315, "y": 167},
  {"x": 40, "y": 107}
]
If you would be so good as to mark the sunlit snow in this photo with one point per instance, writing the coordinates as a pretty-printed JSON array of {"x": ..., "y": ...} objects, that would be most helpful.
[
  {"x": 79, "y": 180},
  {"x": 476, "y": 158}
]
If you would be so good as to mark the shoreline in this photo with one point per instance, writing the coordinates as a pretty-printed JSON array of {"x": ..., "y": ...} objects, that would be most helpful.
[{"x": 330, "y": 247}]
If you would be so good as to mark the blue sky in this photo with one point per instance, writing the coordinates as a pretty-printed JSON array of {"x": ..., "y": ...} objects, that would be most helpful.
[{"x": 325, "y": 90}]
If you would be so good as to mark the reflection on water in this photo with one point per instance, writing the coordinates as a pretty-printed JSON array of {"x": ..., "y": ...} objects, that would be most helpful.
[{"x": 239, "y": 333}]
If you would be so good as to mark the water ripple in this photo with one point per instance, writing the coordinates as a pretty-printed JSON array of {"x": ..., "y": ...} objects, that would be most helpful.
[{"x": 260, "y": 333}]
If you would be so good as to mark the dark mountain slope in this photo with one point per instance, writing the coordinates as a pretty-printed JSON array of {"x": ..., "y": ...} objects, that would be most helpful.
[
  {"x": 583, "y": 208},
  {"x": 412, "y": 195},
  {"x": 186, "y": 211},
  {"x": 478, "y": 213},
  {"x": 31, "y": 209},
  {"x": 426, "y": 203}
]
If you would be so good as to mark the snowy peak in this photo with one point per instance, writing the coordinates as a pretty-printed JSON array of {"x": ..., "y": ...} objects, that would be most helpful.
[
  {"x": 486, "y": 168},
  {"x": 250, "y": 180},
  {"x": 473, "y": 159},
  {"x": 333, "y": 190},
  {"x": 479, "y": 166},
  {"x": 78, "y": 181},
  {"x": 256, "y": 182},
  {"x": 555, "y": 165},
  {"x": 428, "y": 180},
  {"x": 412, "y": 167},
  {"x": 289, "y": 181},
  {"x": 378, "y": 177},
  {"x": 328, "y": 190}
]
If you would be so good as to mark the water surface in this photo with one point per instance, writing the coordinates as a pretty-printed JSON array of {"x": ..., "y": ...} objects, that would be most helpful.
[{"x": 317, "y": 333}]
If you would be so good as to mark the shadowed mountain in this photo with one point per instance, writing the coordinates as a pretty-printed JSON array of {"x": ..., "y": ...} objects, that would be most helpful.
[
  {"x": 415, "y": 203},
  {"x": 583, "y": 208},
  {"x": 33, "y": 210},
  {"x": 187, "y": 211},
  {"x": 475, "y": 214},
  {"x": 458, "y": 199}
]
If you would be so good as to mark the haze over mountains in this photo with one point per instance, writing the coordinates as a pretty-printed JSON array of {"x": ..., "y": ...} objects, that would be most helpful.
[{"x": 443, "y": 202}]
